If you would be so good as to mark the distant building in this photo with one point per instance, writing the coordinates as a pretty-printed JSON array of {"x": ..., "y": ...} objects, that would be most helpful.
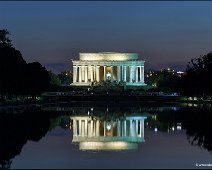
[
  {"x": 181, "y": 73},
  {"x": 96, "y": 67},
  {"x": 172, "y": 71},
  {"x": 168, "y": 70}
]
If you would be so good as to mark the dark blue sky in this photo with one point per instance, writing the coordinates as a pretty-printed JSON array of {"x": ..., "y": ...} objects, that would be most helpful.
[{"x": 163, "y": 33}]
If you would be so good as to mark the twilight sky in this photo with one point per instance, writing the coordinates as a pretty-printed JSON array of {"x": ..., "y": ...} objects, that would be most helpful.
[{"x": 165, "y": 34}]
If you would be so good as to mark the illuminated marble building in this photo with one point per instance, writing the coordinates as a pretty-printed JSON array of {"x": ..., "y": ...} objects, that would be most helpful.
[
  {"x": 120, "y": 134},
  {"x": 96, "y": 67}
]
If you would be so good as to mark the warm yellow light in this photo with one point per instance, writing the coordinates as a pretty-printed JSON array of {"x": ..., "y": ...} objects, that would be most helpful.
[
  {"x": 108, "y": 56},
  {"x": 107, "y": 145}
]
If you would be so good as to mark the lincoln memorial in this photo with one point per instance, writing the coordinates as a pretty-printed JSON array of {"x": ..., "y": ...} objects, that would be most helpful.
[{"x": 111, "y": 66}]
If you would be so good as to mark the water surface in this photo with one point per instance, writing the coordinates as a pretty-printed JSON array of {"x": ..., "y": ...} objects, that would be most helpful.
[{"x": 173, "y": 137}]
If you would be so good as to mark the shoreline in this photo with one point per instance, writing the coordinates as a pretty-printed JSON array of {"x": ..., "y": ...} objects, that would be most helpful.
[{"x": 105, "y": 100}]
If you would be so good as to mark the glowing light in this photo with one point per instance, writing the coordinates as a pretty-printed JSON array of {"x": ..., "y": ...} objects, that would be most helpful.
[
  {"x": 154, "y": 117},
  {"x": 179, "y": 126},
  {"x": 156, "y": 129},
  {"x": 108, "y": 126},
  {"x": 180, "y": 72},
  {"x": 107, "y": 145},
  {"x": 108, "y": 56}
]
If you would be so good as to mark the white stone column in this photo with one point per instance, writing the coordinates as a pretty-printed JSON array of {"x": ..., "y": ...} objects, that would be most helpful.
[
  {"x": 118, "y": 128},
  {"x": 74, "y": 127},
  {"x": 131, "y": 75},
  {"x": 97, "y": 73},
  {"x": 125, "y": 128},
  {"x": 91, "y": 132},
  {"x": 83, "y": 128},
  {"x": 97, "y": 127},
  {"x": 86, "y": 74},
  {"x": 94, "y": 72},
  {"x": 111, "y": 127},
  {"x": 80, "y": 128},
  {"x": 141, "y": 128},
  {"x": 136, "y": 128},
  {"x": 74, "y": 74},
  {"x": 91, "y": 71},
  {"x": 111, "y": 73},
  {"x": 105, "y": 128},
  {"x": 105, "y": 74},
  {"x": 136, "y": 74},
  {"x": 118, "y": 73},
  {"x": 125, "y": 73},
  {"x": 141, "y": 74},
  {"x": 142, "y": 79},
  {"x": 80, "y": 74},
  {"x": 86, "y": 127},
  {"x": 131, "y": 129},
  {"x": 94, "y": 128},
  {"x": 122, "y": 73}
]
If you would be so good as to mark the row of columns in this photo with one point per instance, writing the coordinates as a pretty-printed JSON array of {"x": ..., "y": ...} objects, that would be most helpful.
[
  {"x": 82, "y": 73},
  {"x": 92, "y": 128}
]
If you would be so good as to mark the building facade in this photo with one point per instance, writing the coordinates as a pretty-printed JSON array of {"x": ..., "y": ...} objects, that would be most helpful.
[{"x": 96, "y": 67}]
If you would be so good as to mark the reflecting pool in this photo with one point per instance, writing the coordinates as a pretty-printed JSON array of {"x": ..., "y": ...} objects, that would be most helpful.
[{"x": 70, "y": 136}]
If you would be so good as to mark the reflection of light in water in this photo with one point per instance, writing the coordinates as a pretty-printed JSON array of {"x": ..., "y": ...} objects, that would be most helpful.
[
  {"x": 178, "y": 126},
  {"x": 119, "y": 145},
  {"x": 174, "y": 108},
  {"x": 172, "y": 128},
  {"x": 92, "y": 134}
]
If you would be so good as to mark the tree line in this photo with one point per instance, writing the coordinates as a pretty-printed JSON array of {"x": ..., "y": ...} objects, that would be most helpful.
[
  {"x": 196, "y": 82},
  {"x": 16, "y": 76},
  {"x": 198, "y": 78}
]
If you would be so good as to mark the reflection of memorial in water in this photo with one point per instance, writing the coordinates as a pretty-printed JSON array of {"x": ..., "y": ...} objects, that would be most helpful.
[{"x": 94, "y": 133}]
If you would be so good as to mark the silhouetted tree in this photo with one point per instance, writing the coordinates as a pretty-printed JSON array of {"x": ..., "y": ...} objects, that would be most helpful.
[
  {"x": 17, "y": 129},
  {"x": 65, "y": 78},
  {"x": 55, "y": 79},
  {"x": 4, "y": 39},
  {"x": 198, "y": 128},
  {"x": 12, "y": 69},
  {"x": 196, "y": 125},
  {"x": 38, "y": 79},
  {"x": 16, "y": 76},
  {"x": 198, "y": 79},
  {"x": 164, "y": 81}
]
